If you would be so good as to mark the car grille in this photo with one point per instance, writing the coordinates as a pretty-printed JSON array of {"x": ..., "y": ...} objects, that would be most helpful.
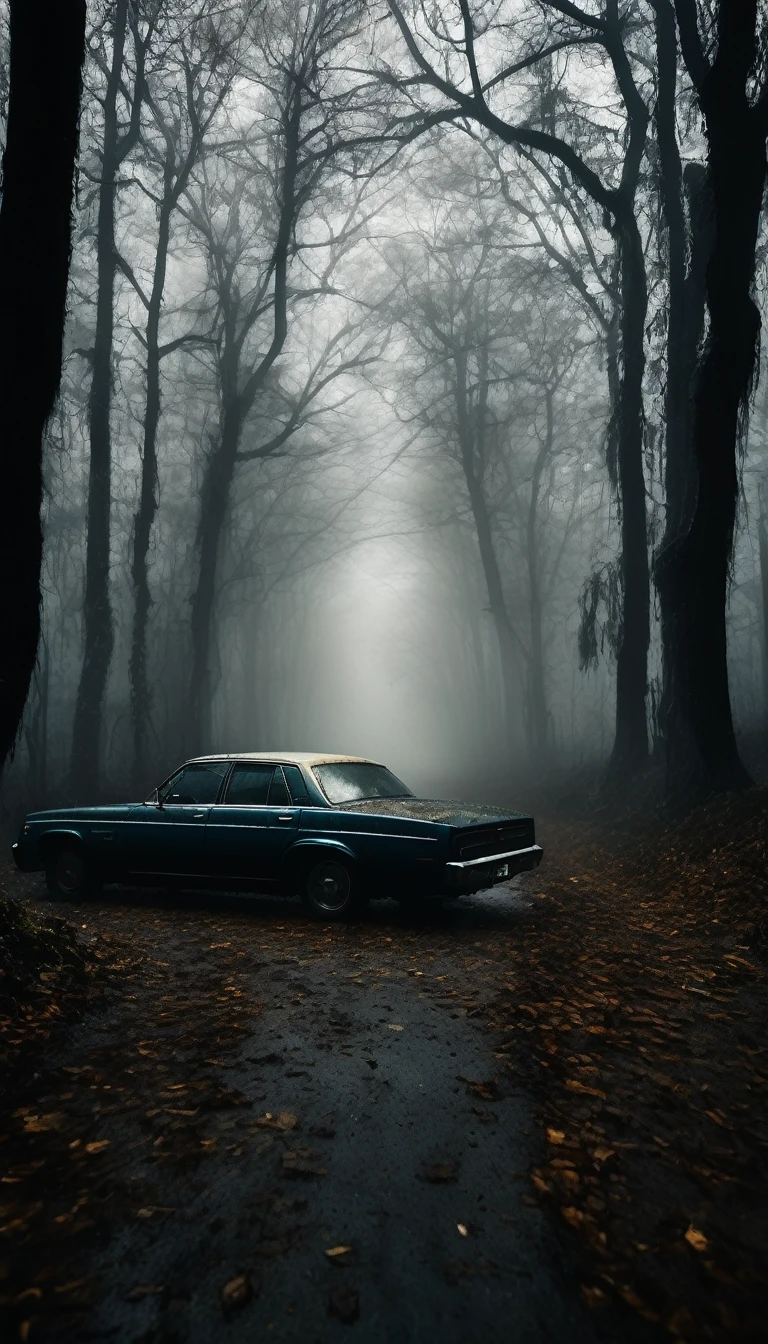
[{"x": 495, "y": 840}]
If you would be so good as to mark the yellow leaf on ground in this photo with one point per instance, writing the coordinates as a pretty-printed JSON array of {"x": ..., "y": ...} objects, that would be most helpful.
[
  {"x": 237, "y": 1292},
  {"x": 696, "y": 1239},
  {"x": 575, "y": 1086}
]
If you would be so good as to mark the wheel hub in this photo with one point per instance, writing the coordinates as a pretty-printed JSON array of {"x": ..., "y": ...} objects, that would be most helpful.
[{"x": 329, "y": 886}]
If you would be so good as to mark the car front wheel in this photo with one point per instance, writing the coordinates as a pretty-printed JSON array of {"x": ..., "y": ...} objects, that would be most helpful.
[
  {"x": 68, "y": 876},
  {"x": 329, "y": 887}
]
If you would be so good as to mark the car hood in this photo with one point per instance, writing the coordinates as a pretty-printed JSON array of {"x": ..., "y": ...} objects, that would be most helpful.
[{"x": 433, "y": 809}]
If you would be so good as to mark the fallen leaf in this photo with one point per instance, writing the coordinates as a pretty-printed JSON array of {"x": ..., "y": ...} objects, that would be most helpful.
[
  {"x": 574, "y": 1085},
  {"x": 556, "y": 1136},
  {"x": 283, "y": 1120},
  {"x": 237, "y": 1292},
  {"x": 302, "y": 1162},
  {"x": 338, "y": 1253},
  {"x": 696, "y": 1239},
  {"x": 594, "y": 1297},
  {"x": 97, "y": 1147},
  {"x": 488, "y": 1091},
  {"x": 572, "y": 1215},
  {"x": 438, "y": 1173},
  {"x": 394, "y": 1026},
  {"x": 143, "y": 1290},
  {"x": 42, "y": 1124},
  {"x": 462, "y": 1229},
  {"x": 718, "y": 1118}
]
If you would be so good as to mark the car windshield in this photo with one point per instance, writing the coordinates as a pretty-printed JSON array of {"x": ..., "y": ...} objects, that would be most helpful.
[{"x": 346, "y": 781}]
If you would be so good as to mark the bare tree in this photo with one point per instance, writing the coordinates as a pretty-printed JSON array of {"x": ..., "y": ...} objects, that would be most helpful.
[
  {"x": 183, "y": 101},
  {"x": 120, "y": 136},
  {"x": 732, "y": 93},
  {"x": 47, "y": 45},
  {"x": 465, "y": 93}
]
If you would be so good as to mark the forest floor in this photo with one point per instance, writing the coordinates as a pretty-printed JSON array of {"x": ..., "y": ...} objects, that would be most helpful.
[{"x": 543, "y": 1108}]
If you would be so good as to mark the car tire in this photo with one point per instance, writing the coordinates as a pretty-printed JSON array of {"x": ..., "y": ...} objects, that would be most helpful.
[
  {"x": 68, "y": 876},
  {"x": 328, "y": 885}
]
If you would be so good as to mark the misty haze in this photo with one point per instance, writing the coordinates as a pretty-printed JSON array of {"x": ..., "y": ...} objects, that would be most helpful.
[{"x": 384, "y": 667}]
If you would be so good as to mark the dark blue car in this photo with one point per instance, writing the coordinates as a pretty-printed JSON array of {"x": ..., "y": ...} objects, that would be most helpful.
[{"x": 337, "y": 829}]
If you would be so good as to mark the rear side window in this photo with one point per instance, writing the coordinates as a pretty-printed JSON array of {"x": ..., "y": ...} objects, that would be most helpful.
[
  {"x": 296, "y": 785},
  {"x": 278, "y": 792},
  {"x": 249, "y": 785}
]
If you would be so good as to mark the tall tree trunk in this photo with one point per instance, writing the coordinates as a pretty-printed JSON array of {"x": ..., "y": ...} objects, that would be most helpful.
[
  {"x": 98, "y": 621},
  {"x": 505, "y": 632},
  {"x": 537, "y": 690},
  {"x": 684, "y": 340},
  {"x": 685, "y": 324},
  {"x": 762, "y": 528},
  {"x": 630, "y": 749},
  {"x": 214, "y": 503},
  {"x": 237, "y": 401},
  {"x": 678, "y": 456},
  {"x": 47, "y": 42},
  {"x": 702, "y": 753},
  {"x": 141, "y": 699}
]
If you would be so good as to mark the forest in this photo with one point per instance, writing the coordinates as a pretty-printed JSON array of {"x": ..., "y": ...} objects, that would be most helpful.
[
  {"x": 384, "y": 379},
  {"x": 409, "y": 396}
]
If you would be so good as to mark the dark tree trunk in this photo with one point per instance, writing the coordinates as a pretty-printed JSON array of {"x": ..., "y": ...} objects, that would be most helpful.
[
  {"x": 98, "y": 622},
  {"x": 702, "y": 753},
  {"x": 236, "y": 403},
  {"x": 538, "y": 715},
  {"x": 47, "y": 42},
  {"x": 678, "y": 456},
  {"x": 214, "y": 504},
  {"x": 630, "y": 749},
  {"x": 141, "y": 698},
  {"x": 685, "y": 316},
  {"x": 763, "y": 544},
  {"x": 497, "y": 605},
  {"x": 684, "y": 340}
]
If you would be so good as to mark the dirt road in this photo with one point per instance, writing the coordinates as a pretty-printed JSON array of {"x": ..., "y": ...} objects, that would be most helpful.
[{"x": 273, "y": 1128}]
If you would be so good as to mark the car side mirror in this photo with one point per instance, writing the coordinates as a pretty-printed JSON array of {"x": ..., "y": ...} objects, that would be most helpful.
[{"x": 154, "y": 799}]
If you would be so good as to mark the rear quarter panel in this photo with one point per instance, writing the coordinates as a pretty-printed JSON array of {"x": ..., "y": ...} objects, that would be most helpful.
[{"x": 394, "y": 847}]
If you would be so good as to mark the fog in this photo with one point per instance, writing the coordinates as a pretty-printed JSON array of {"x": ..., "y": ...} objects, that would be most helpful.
[{"x": 357, "y": 474}]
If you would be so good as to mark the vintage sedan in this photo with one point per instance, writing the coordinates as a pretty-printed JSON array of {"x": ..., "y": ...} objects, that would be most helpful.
[{"x": 337, "y": 829}]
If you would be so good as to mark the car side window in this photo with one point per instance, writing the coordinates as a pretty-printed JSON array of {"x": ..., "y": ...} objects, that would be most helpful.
[
  {"x": 249, "y": 785},
  {"x": 296, "y": 785},
  {"x": 278, "y": 790},
  {"x": 196, "y": 783}
]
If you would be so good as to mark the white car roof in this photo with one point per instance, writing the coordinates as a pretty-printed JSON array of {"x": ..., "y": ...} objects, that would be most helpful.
[{"x": 285, "y": 757}]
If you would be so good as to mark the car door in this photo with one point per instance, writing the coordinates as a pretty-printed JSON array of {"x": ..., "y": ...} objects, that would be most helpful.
[
  {"x": 249, "y": 831},
  {"x": 167, "y": 837}
]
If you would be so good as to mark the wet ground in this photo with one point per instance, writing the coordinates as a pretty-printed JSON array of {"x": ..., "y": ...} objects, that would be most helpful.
[{"x": 275, "y": 1128}]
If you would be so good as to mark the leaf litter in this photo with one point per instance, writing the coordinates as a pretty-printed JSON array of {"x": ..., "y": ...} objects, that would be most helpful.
[{"x": 592, "y": 988}]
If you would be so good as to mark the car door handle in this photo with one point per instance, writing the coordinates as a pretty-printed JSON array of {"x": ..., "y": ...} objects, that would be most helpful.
[
  {"x": 197, "y": 816},
  {"x": 290, "y": 818}
]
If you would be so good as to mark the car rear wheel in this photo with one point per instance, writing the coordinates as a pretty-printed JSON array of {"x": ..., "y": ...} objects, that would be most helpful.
[
  {"x": 329, "y": 887},
  {"x": 68, "y": 876}
]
